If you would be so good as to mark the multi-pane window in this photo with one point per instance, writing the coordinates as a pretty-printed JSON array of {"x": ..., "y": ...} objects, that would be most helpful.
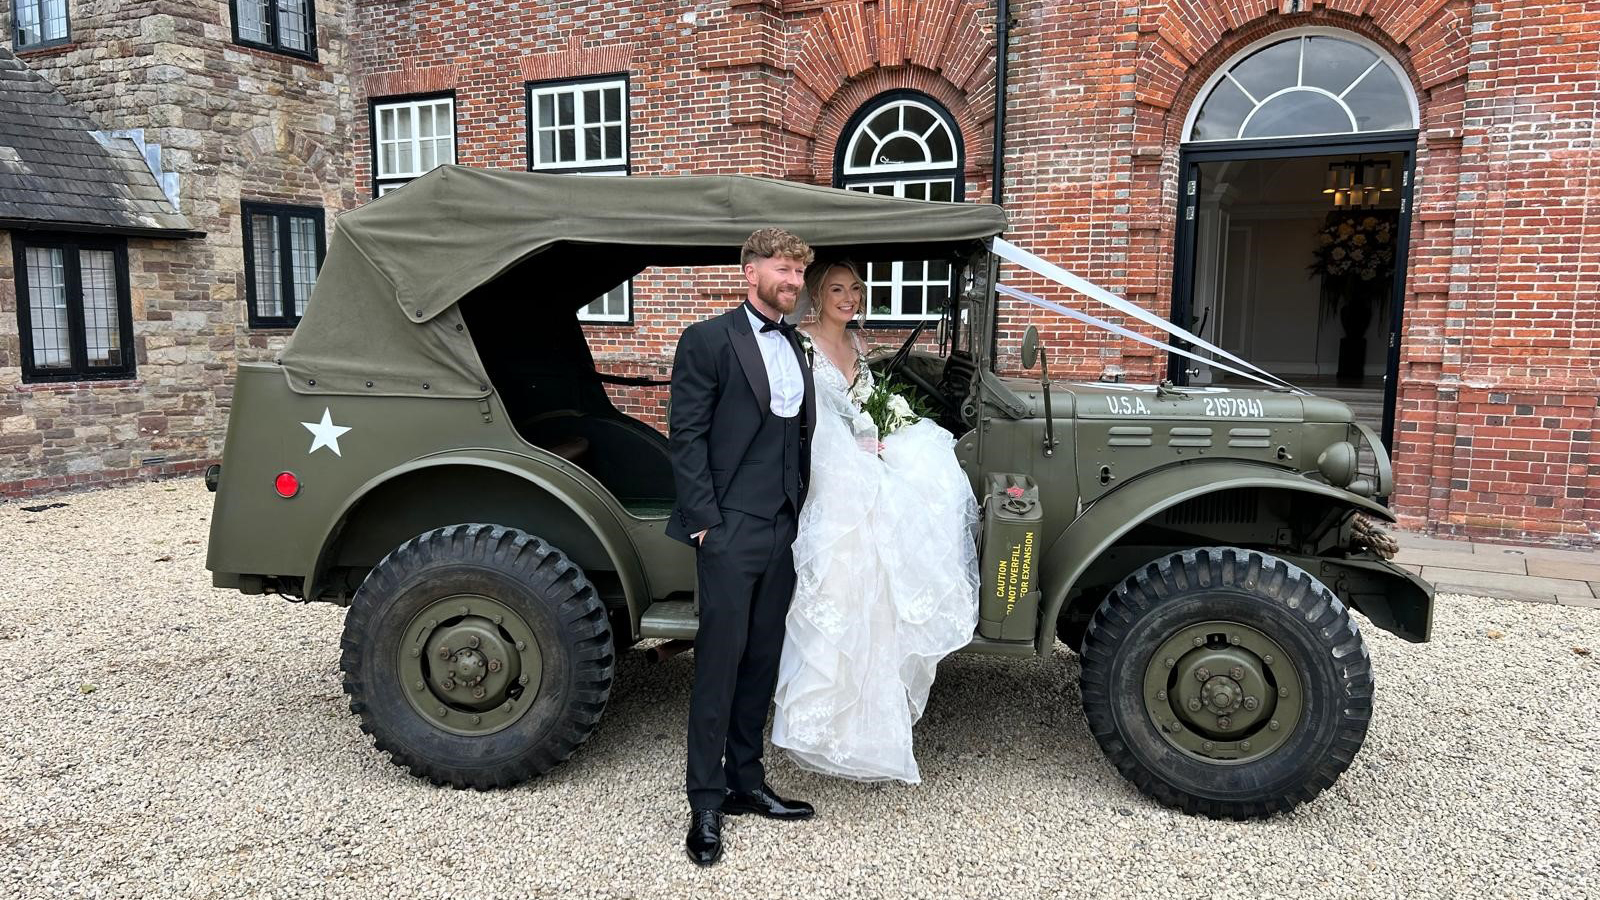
[
  {"x": 904, "y": 145},
  {"x": 38, "y": 23},
  {"x": 1312, "y": 84},
  {"x": 283, "y": 250},
  {"x": 578, "y": 125},
  {"x": 288, "y": 26},
  {"x": 582, "y": 127},
  {"x": 410, "y": 138},
  {"x": 73, "y": 308}
]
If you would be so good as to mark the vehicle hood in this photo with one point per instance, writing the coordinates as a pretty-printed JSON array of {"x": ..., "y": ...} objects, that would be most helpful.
[{"x": 1106, "y": 400}]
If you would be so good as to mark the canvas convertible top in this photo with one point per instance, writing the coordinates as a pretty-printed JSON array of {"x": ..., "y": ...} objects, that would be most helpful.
[{"x": 383, "y": 318}]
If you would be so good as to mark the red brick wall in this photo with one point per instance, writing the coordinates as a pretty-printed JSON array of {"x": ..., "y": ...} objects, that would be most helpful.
[{"x": 1498, "y": 378}]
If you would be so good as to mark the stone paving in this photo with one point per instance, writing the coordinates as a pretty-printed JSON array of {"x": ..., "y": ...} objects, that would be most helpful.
[{"x": 1513, "y": 572}]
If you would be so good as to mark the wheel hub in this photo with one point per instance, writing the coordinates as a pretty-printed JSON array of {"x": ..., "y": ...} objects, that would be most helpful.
[
  {"x": 1222, "y": 691},
  {"x": 471, "y": 664},
  {"x": 1222, "y": 695}
]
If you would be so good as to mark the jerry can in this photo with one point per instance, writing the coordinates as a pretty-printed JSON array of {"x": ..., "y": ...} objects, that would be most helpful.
[{"x": 1008, "y": 609}]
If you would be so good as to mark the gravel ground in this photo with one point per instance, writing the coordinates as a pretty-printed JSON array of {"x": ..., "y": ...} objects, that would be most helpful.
[{"x": 161, "y": 738}]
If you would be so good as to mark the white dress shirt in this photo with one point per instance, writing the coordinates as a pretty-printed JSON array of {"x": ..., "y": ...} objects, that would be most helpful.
[{"x": 783, "y": 368}]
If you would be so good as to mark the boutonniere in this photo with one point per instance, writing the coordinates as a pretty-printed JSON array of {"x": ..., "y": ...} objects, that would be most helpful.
[{"x": 809, "y": 347}]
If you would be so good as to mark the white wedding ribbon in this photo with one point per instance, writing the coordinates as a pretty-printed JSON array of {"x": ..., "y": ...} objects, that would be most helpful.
[
  {"x": 1012, "y": 253},
  {"x": 1123, "y": 331}
]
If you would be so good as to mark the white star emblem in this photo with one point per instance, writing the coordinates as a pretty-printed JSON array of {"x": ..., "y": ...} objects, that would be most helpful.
[{"x": 325, "y": 433}]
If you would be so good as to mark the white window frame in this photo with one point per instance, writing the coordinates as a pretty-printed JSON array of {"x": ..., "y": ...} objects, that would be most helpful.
[
  {"x": 385, "y": 181},
  {"x": 588, "y": 312},
  {"x": 594, "y": 311},
  {"x": 1225, "y": 71},
  {"x": 616, "y": 164},
  {"x": 864, "y": 131},
  {"x": 901, "y": 276}
]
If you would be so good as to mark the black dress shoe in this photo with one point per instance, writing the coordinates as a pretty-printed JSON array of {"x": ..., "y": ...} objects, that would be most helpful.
[
  {"x": 704, "y": 842},
  {"x": 765, "y": 802}
]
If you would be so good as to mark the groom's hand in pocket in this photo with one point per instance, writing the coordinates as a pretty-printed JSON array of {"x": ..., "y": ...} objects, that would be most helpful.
[{"x": 700, "y": 537}]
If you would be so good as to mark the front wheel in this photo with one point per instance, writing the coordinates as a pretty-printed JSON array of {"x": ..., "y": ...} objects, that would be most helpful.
[
  {"x": 1226, "y": 682},
  {"x": 477, "y": 656}
]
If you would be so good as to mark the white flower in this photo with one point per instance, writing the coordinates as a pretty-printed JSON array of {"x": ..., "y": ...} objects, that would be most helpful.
[
  {"x": 860, "y": 391},
  {"x": 899, "y": 406}
]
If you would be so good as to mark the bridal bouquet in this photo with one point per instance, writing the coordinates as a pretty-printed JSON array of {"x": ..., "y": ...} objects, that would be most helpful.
[{"x": 891, "y": 408}]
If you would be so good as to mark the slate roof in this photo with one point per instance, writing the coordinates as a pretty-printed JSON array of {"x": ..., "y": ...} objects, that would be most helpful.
[{"x": 54, "y": 170}]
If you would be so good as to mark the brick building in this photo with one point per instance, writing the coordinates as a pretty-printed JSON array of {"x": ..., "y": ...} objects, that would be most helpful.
[
  {"x": 244, "y": 122},
  {"x": 1389, "y": 202}
]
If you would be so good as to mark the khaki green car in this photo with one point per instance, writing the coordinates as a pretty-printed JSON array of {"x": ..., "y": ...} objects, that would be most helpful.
[{"x": 436, "y": 450}]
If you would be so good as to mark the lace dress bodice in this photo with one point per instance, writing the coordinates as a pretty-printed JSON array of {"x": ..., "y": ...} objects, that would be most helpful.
[{"x": 844, "y": 395}]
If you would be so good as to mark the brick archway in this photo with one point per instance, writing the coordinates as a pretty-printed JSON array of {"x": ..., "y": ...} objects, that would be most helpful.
[
  {"x": 1428, "y": 54},
  {"x": 855, "y": 51},
  {"x": 828, "y": 128}
]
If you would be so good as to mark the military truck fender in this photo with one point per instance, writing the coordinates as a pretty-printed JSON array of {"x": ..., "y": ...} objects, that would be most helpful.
[
  {"x": 531, "y": 494},
  {"x": 1115, "y": 514}
]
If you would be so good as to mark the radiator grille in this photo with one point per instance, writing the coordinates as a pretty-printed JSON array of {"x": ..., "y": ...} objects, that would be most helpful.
[{"x": 1228, "y": 508}]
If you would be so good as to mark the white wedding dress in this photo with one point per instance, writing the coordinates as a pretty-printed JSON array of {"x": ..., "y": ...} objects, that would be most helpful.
[{"x": 887, "y": 584}]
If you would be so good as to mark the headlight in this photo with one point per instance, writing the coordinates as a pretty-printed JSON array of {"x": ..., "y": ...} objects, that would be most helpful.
[{"x": 1338, "y": 464}]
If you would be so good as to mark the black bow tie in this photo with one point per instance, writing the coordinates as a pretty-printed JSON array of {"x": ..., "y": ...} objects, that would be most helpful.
[{"x": 769, "y": 325}]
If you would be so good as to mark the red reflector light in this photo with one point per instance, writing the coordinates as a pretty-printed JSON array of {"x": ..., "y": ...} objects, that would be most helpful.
[{"x": 286, "y": 484}]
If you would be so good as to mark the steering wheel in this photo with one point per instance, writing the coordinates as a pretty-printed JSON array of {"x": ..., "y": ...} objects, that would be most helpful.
[
  {"x": 904, "y": 353},
  {"x": 899, "y": 360}
]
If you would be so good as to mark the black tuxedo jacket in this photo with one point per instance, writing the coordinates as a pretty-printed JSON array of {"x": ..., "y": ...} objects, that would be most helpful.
[{"x": 720, "y": 395}]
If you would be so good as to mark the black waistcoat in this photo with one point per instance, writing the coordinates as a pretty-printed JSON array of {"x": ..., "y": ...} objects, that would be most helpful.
[{"x": 756, "y": 486}]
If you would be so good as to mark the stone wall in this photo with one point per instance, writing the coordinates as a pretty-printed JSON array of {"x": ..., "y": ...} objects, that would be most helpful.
[{"x": 236, "y": 124}]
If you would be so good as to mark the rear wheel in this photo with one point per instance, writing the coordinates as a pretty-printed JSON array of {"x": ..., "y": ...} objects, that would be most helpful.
[
  {"x": 477, "y": 656},
  {"x": 1226, "y": 682}
]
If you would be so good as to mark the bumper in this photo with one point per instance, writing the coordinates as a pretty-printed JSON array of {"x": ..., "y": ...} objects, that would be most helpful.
[{"x": 1392, "y": 598}]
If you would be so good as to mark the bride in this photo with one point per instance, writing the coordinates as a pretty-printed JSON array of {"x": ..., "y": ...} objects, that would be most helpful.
[{"x": 885, "y": 559}]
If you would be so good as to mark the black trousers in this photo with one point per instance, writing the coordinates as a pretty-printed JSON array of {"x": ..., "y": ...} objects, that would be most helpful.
[{"x": 746, "y": 572}]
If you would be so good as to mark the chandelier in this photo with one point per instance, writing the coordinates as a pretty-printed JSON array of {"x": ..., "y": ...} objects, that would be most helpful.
[{"x": 1358, "y": 183}]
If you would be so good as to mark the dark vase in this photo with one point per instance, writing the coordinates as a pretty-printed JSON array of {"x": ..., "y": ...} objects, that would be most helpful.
[{"x": 1355, "y": 301}]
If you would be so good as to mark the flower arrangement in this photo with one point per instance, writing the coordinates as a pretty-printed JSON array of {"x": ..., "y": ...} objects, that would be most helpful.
[
  {"x": 1350, "y": 246},
  {"x": 892, "y": 407}
]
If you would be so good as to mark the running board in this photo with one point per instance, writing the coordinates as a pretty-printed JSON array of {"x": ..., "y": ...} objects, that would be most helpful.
[{"x": 673, "y": 619}]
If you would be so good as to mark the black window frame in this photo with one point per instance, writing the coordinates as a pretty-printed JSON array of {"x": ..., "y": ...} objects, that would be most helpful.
[
  {"x": 281, "y": 212},
  {"x": 16, "y": 38},
  {"x": 70, "y": 245},
  {"x": 276, "y": 44},
  {"x": 392, "y": 182}
]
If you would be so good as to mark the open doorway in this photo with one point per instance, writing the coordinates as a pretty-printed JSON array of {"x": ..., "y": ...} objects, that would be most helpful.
[
  {"x": 1295, "y": 269},
  {"x": 1294, "y": 196}
]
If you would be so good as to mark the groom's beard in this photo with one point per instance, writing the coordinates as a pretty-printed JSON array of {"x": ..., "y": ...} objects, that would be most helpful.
[{"x": 775, "y": 295}]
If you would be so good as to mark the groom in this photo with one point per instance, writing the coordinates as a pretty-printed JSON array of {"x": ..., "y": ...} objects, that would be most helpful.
[{"x": 741, "y": 418}]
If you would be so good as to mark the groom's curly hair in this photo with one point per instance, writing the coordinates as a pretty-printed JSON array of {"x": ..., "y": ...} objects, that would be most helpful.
[{"x": 765, "y": 243}]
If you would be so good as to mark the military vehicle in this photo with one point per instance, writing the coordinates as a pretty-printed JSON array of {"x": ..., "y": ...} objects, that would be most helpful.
[{"x": 436, "y": 449}]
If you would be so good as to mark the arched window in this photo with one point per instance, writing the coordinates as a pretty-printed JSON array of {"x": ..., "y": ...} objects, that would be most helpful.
[
  {"x": 1309, "y": 84},
  {"x": 903, "y": 144}
]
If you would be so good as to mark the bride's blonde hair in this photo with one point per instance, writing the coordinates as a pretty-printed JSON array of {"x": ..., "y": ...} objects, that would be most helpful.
[{"x": 816, "y": 272}]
